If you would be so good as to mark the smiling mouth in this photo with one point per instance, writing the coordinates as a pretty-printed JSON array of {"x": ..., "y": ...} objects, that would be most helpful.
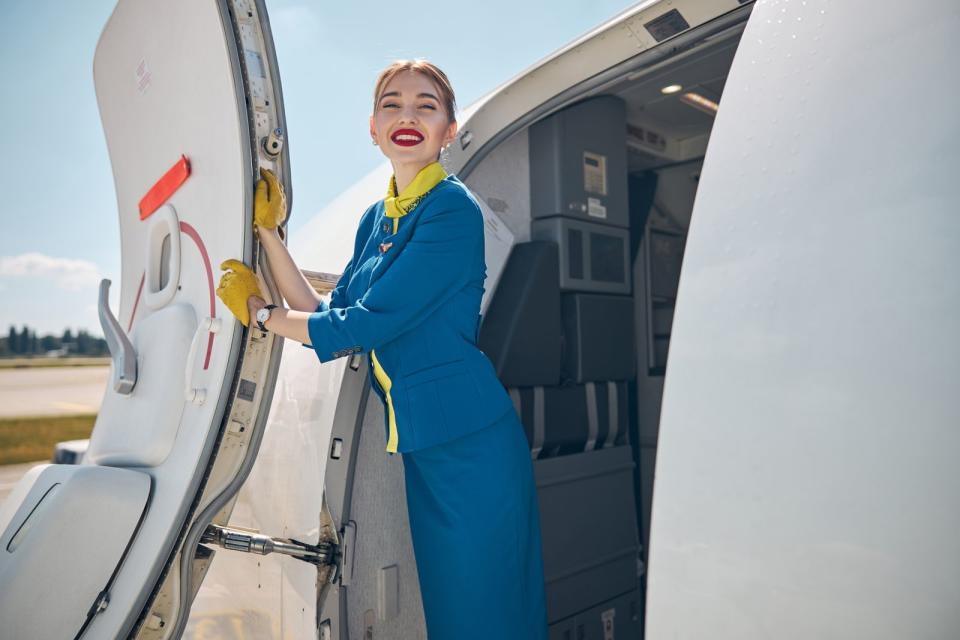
[{"x": 406, "y": 138}]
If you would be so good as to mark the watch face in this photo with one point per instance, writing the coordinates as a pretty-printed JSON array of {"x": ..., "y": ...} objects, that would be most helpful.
[{"x": 263, "y": 315}]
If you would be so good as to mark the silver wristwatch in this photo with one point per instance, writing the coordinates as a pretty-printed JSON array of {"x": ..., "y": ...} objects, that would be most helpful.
[{"x": 263, "y": 315}]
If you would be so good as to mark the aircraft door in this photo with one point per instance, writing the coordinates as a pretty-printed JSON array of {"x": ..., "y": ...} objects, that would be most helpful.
[
  {"x": 191, "y": 108},
  {"x": 806, "y": 471}
]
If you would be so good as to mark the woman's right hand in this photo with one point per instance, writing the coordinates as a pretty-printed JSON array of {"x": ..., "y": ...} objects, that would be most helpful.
[
  {"x": 237, "y": 284},
  {"x": 269, "y": 203}
]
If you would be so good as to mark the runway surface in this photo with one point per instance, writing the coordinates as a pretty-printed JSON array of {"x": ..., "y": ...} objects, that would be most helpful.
[
  {"x": 10, "y": 474},
  {"x": 45, "y": 391}
]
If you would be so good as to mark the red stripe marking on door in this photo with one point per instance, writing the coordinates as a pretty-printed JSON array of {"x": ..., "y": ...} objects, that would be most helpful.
[
  {"x": 190, "y": 231},
  {"x": 165, "y": 187},
  {"x": 136, "y": 300}
]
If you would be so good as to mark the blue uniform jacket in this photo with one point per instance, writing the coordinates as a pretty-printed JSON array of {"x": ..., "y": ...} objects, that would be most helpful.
[{"x": 414, "y": 297}]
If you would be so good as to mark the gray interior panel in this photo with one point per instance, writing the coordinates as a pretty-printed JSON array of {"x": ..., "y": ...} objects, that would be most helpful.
[
  {"x": 619, "y": 617},
  {"x": 383, "y": 547},
  {"x": 593, "y": 257},
  {"x": 521, "y": 330},
  {"x": 589, "y": 530},
  {"x": 64, "y": 521},
  {"x": 578, "y": 162},
  {"x": 502, "y": 180},
  {"x": 598, "y": 337}
]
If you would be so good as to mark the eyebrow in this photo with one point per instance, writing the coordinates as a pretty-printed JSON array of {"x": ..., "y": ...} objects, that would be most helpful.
[{"x": 419, "y": 95}]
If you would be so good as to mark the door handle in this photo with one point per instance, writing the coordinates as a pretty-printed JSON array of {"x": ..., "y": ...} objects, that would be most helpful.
[
  {"x": 191, "y": 393},
  {"x": 162, "y": 258},
  {"x": 121, "y": 350}
]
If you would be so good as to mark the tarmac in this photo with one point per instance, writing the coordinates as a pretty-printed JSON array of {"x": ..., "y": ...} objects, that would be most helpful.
[
  {"x": 10, "y": 474},
  {"x": 46, "y": 391}
]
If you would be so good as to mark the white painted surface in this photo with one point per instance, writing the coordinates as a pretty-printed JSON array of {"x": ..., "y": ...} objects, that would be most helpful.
[
  {"x": 807, "y": 482},
  {"x": 54, "y": 504},
  {"x": 148, "y": 123},
  {"x": 274, "y": 596}
]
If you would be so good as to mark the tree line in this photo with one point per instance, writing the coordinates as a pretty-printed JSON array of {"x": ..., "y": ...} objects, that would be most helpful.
[{"x": 26, "y": 342}]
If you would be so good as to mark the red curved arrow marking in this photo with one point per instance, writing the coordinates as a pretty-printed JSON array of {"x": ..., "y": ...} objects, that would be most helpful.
[
  {"x": 190, "y": 231},
  {"x": 136, "y": 301}
]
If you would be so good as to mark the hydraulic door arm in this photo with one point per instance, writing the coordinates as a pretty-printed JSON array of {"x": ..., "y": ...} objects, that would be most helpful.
[{"x": 324, "y": 553}]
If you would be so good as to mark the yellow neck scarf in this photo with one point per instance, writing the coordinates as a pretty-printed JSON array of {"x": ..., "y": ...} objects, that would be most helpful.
[{"x": 400, "y": 205}]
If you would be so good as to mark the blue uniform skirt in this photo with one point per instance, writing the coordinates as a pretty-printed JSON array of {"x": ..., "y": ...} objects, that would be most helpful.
[{"x": 475, "y": 524}]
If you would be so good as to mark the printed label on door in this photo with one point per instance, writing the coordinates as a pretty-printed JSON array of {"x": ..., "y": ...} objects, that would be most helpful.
[
  {"x": 595, "y": 208},
  {"x": 594, "y": 173}
]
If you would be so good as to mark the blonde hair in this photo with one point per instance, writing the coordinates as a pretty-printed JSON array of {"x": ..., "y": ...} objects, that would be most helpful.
[{"x": 428, "y": 69}]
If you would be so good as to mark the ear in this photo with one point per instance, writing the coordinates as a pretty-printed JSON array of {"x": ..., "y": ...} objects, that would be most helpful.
[
  {"x": 373, "y": 129},
  {"x": 451, "y": 133}
]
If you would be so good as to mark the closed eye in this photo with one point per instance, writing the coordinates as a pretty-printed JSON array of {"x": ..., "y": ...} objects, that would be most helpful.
[{"x": 393, "y": 104}]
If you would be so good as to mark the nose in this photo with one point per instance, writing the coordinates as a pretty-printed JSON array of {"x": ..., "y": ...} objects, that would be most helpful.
[{"x": 408, "y": 114}]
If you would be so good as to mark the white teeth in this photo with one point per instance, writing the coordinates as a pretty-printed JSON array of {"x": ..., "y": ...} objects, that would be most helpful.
[{"x": 406, "y": 136}]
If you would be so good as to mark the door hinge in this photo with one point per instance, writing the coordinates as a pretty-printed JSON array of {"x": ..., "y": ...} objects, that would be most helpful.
[{"x": 324, "y": 553}]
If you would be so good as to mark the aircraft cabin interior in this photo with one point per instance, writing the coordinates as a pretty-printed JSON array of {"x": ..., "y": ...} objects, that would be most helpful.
[{"x": 599, "y": 197}]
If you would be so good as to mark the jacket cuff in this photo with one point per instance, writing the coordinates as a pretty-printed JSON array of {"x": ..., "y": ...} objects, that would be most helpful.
[{"x": 327, "y": 338}]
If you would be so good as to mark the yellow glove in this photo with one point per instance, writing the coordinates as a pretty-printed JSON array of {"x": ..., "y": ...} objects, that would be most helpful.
[
  {"x": 269, "y": 203},
  {"x": 236, "y": 287}
]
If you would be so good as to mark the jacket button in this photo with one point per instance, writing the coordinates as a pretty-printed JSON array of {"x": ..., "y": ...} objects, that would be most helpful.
[{"x": 386, "y": 227}]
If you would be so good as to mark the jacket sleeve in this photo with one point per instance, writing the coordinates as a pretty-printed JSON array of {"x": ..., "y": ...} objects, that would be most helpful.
[
  {"x": 431, "y": 267},
  {"x": 336, "y": 296}
]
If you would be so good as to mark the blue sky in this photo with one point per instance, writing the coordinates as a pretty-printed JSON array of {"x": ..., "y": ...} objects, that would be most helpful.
[{"x": 59, "y": 235}]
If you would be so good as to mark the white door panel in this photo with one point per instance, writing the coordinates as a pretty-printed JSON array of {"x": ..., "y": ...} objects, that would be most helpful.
[
  {"x": 186, "y": 90},
  {"x": 57, "y": 555},
  {"x": 140, "y": 429},
  {"x": 165, "y": 81},
  {"x": 806, "y": 482}
]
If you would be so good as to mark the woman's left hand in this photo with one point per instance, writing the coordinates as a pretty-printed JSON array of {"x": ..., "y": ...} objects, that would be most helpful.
[
  {"x": 269, "y": 202},
  {"x": 237, "y": 286}
]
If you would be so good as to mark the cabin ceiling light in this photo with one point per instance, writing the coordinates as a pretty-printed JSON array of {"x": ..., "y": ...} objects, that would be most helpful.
[
  {"x": 697, "y": 101},
  {"x": 672, "y": 88}
]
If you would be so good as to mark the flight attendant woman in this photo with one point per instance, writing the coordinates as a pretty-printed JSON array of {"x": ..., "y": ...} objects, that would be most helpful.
[{"x": 410, "y": 299}]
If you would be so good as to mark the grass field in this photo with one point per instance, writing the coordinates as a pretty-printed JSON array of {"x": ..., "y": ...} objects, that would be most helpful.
[
  {"x": 22, "y": 363},
  {"x": 29, "y": 439}
]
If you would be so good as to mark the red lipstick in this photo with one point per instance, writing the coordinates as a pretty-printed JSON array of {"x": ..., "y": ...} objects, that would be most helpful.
[{"x": 406, "y": 137}]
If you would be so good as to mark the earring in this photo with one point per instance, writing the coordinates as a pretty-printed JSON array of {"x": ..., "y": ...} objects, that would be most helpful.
[{"x": 373, "y": 140}]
